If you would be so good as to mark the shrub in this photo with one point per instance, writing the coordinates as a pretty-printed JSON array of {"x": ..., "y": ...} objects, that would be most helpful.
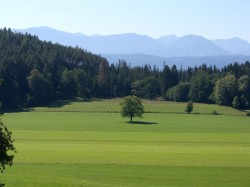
[
  {"x": 189, "y": 107},
  {"x": 236, "y": 102},
  {"x": 214, "y": 112}
]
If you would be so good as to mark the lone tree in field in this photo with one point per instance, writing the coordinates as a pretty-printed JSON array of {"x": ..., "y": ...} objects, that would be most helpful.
[
  {"x": 189, "y": 107},
  {"x": 6, "y": 145},
  {"x": 132, "y": 107}
]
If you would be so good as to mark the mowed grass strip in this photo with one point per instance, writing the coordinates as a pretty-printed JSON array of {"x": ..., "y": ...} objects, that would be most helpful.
[
  {"x": 144, "y": 137},
  {"x": 134, "y": 153},
  {"x": 112, "y": 122},
  {"x": 82, "y": 175}
]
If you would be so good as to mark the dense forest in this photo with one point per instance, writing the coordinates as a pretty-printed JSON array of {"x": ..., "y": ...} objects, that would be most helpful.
[{"x": 34, "y": 72}]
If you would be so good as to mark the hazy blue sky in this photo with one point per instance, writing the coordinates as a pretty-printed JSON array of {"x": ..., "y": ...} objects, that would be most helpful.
[{"x": 209, "y": 18}]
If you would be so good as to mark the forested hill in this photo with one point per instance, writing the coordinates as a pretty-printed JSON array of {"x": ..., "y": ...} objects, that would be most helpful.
[{"x": 34, "y": 72}]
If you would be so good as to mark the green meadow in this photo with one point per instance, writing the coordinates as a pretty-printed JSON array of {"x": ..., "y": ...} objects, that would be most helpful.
[{"x": 89, "y": 144}]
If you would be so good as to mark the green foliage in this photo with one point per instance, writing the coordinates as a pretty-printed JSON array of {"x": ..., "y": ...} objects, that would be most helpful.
[
  {"x": 225, "y": 90},
  {"x": 248, "y": 114},
  {"x": 31, "y": 70},
  {"x": 244, "y": 91},
  {"x": 103, "y": 78},
  {"x": 179, "y": 92},
  {"x": 214, "y": 112},
  {"x": 6, "y": 145},
  {"x": 75, "y": 83},
  {"x": 165, "y": 80},
  {"x": 147, "y": 88},
  {"x": 236, "y": 102},
  {"x": 174, "y": 77},
  {"x": 41, "y": 88},
  {"x": 189, "y": 107},
  {"x": 131, "y": 107},
  {"x": 201, "y": 88}
]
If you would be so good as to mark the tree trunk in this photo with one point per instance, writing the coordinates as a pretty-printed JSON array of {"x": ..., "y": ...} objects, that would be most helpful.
[{"x": 131, "y": 119}]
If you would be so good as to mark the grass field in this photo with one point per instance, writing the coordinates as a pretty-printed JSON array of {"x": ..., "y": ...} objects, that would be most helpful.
[
  {"x": 112, "y": 106},
  {"x": 89, "y": 144}
]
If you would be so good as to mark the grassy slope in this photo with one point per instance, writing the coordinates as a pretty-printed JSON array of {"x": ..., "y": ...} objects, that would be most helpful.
[
  {"x": 111, "y": 106},
  {"x": 102, "y": 149}
]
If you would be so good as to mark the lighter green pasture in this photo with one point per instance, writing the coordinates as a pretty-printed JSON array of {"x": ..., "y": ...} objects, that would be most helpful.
[
  {"x": 112, "y": 122},
  {"x": 112, "y": 106},
  {"x": 87, "y": 148}
]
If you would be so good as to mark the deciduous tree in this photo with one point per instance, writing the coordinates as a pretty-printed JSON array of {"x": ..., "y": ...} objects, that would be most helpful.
[
  {"x": 132, "y": 107},
  {"x": 6, "y": 145},
  {"x": 225, "y": 90}
]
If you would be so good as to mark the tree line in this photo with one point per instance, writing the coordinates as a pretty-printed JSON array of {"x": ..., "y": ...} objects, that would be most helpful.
[{"x": 34, "y": 72}]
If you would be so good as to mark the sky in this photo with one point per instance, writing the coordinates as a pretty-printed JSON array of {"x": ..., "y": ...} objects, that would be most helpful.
[{"x": 213, "y": 19}]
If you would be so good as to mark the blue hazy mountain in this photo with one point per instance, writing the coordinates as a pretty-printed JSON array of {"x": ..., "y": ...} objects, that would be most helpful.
[
  {"x": 192, "y": 45},
  {"x": 130, "y": 43},
  {"x": 119, "y": 43},
  {"x": 234, "y": 45},
  {"x": 138, "y": 49},
  {"x": 124, "y": 44},
  {"x": 184, "y": 62},
  {"x": 55, "y": 36},
  {"x": 168, "y": 39}
]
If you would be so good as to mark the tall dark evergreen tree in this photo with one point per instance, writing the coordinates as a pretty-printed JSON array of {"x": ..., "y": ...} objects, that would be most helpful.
[{"x": 165, "y": 80}]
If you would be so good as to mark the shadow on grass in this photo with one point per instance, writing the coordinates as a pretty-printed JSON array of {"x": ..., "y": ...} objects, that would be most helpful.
[
  {"x": 59, "y": 104},
  {"x": 142, "y": 123},
  {"x": 16, "y": 110}
]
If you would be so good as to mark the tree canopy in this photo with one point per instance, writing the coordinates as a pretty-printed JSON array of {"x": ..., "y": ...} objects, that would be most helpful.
[
  {"x": 131, "y": 107},
  {"x": 6, "y": 145},
  {"x": 225, "y": 90}
]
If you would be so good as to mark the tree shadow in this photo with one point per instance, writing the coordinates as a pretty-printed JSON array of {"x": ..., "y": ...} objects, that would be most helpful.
[
  {"x": 59, "y": 104},
  {"x": 15, "y": 110},
  {"x": 142, "y": 123}
]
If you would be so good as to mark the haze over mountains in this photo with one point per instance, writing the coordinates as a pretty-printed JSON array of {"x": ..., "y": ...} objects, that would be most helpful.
[{"x": 137, "y": 49}]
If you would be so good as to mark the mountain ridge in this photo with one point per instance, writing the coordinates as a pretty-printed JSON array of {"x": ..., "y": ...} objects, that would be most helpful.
[
  {"x": 180, "y": 62},
  {"x": 168, "y": 46},
  {"x": 129, "y": 43}
]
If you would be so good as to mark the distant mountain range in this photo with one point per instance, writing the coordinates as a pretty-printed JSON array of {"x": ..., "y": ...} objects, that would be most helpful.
[
  {"x": 137, "y": 49},
  {"x": 184, "y": 62}
]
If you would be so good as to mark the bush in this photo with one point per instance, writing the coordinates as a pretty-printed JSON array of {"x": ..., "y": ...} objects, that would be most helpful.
[
  {"x": 189, "y": 107},
  {"x": 248, "y": 114},
  {"x": 236, "y": 102},
  {"x": 178, "y": 93},
  {"x": 214, "y": 112}
]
